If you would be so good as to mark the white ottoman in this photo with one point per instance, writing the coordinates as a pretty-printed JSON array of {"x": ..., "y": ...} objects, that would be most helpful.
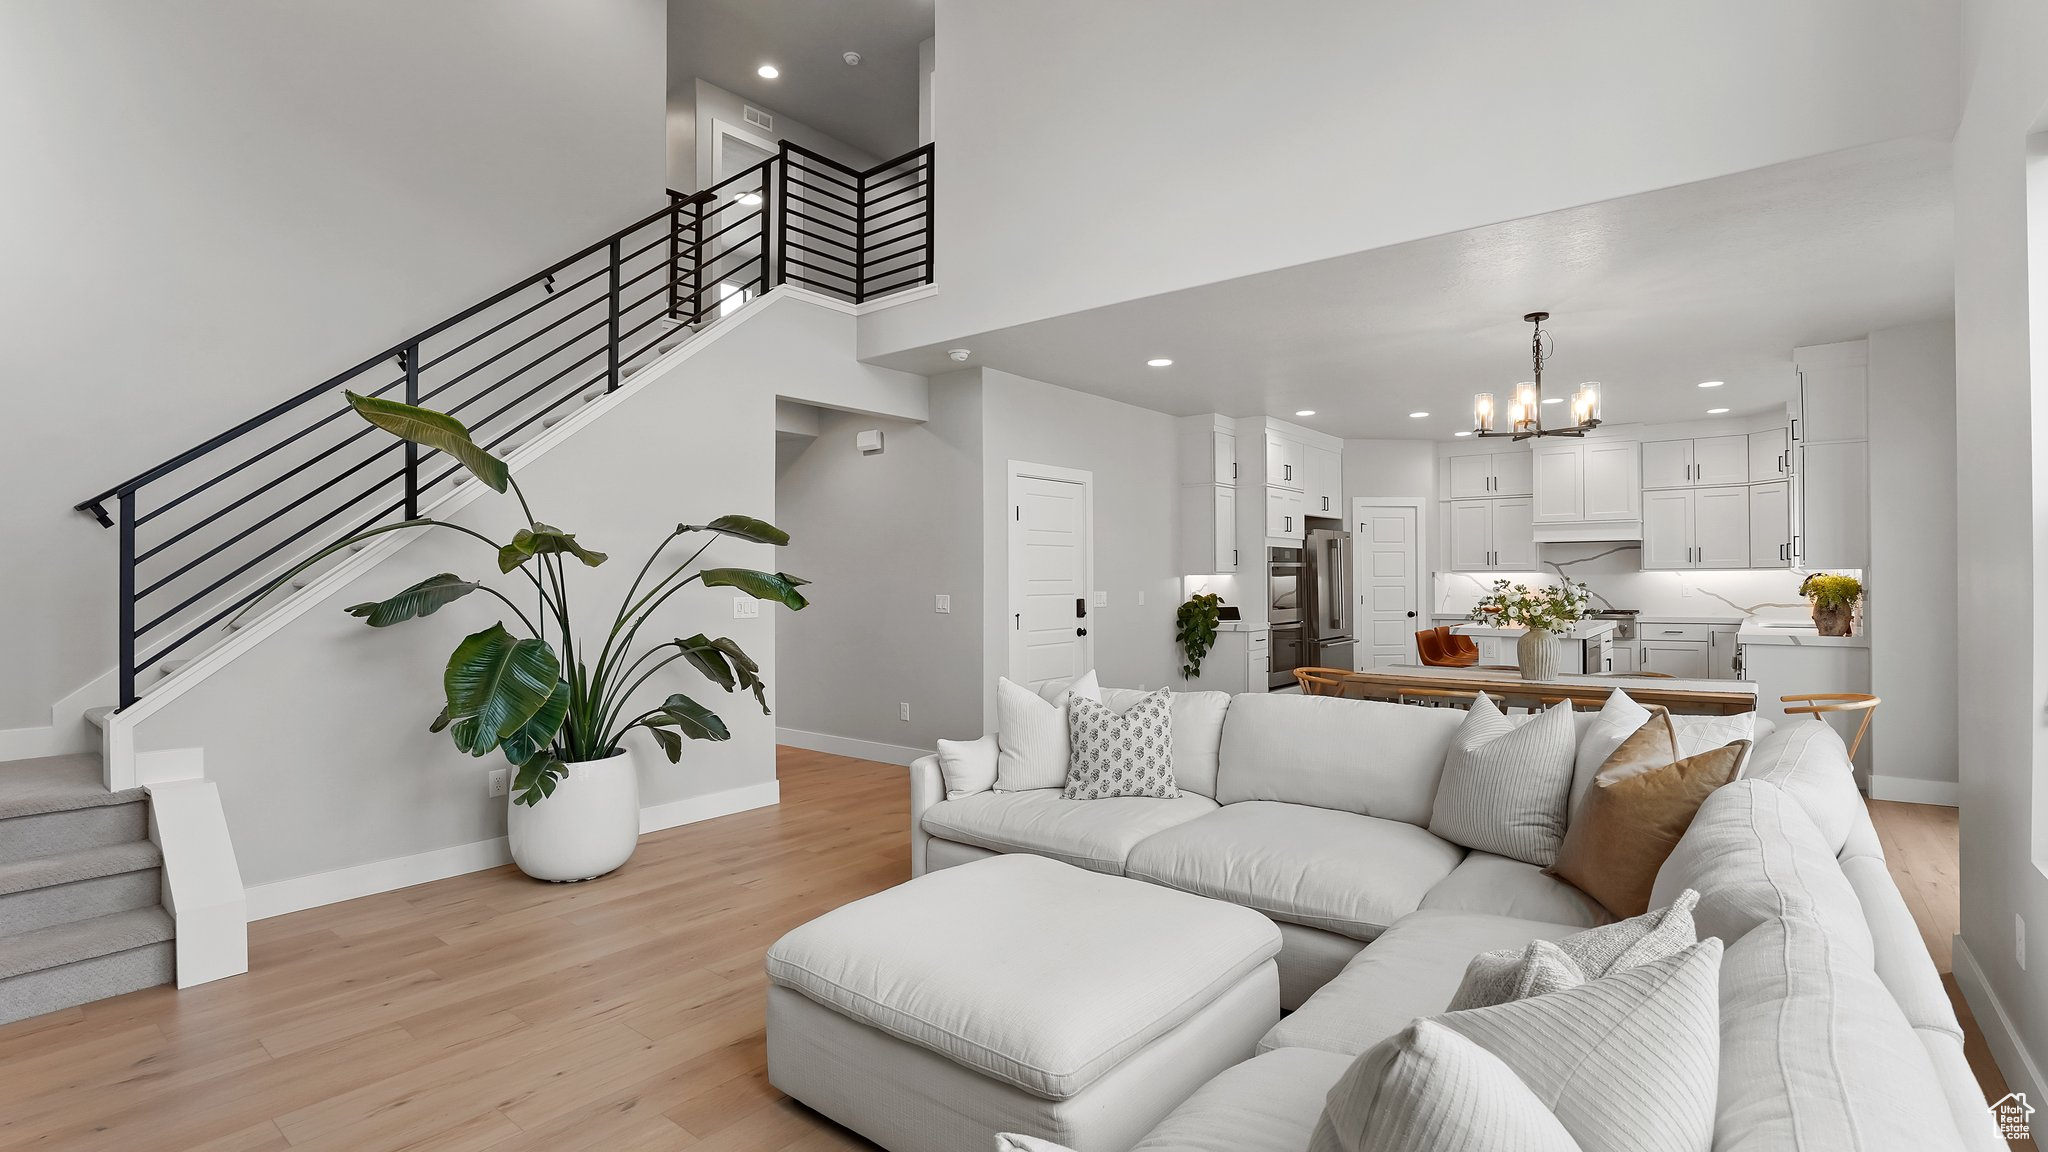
[{"x": 1016, "y": 994}]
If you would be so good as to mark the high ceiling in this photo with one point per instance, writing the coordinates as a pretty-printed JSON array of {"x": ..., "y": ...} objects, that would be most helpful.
[
  {"x": 872, "y": 107},
  {"x": 1650, "y": 295}
]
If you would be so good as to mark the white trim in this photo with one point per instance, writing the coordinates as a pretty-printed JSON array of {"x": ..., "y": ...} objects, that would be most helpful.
[
  {"x": 848, "y": 746},
  {"x": 1909, "y": 790},
  {"x": 1360, "y": 649},
  {"x": 68, "y": 730},
  {"x": 302, "y": 892},
  {"x": 202, "y": 884},
  {"x": 906, "y": 296},
  {"x": 1020, "y": 470},
  {"x": 720, "y": 129},
  {"x": 119, "y": 743},
  {"x": 2022, "y": 1074}
]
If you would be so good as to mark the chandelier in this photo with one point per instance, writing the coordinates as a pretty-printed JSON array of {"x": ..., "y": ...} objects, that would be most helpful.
[{"x": 1525, "y": 411}]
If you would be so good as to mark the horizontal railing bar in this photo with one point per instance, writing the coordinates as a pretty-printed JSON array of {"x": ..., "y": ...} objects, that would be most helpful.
[
  {"x": 183, "y": 458},
  {"x": 870, "y": 221},
  {"x": 810, "y": 191},
  {"x": 810, "y": 213},
  {"x": 917, "y": 252},
  {"x": 536, "y": 362},
  {"x": 808, "y": 171},
  {"x": 538, "y": 388},
  {"x": 795, "y": 247},
  {"x": 793, "y": 146},
  {"x": 827, "y": 237},
  {"x": 660, "y": 290},
  {"x": 507, "y": 350},
  {"x": 912, "y": 189},
  {"x": 742, "y": 174},
  {"x": 266, "y": 554},
  {"x": 922, "y": 152},
  {"x": 308, "y": 430},
  {"x": 872, "y": 291},
  {"x": 351, "y": 470},
  {"x": 722, "y": 231},
  {"x": 821, "y": 268},
  {"x": 219, "y": 513},
  {"x": 917, "y": 231},
  {"x": 664, "y": 266},
  {"x": 648, "y": 247},
  {"x": 558, "y": 295}
]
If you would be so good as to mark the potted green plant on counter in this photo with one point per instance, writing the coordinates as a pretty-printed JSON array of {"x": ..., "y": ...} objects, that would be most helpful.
[
  {"x": 1194, "y": 625},
  {"x": 556, "y": 701},
  {"x": 1833, "y": 597}
]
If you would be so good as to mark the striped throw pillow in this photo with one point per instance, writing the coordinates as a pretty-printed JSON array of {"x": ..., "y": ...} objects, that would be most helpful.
[{"x": 1505, "y": 787}]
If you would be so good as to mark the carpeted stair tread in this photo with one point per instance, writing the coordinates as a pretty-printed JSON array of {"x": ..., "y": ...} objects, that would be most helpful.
[
  {"x": 86, "y": 864},
  {"x": 56, "y": 784},
  {"x": 83, "y": 940}
]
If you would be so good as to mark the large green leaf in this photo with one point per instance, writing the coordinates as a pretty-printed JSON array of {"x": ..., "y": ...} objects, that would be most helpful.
[
  {"x": 725, "y": 664},
  {"x": 743, "y": 527},
  {"x": 670, "y": 743},
  {"x": 441, "y": 721},
  {"x": 534, "y": 736},
  {"x": 495, "y": 684},
  {"x": 435, "y": 430},
  {"x": 530, "y": 542},
  {"x": 690, "y": 718},
  {"x": 777, "y": 586},
  {"x": 537, "y": 779},
  {"x": 422, "y": 599}
]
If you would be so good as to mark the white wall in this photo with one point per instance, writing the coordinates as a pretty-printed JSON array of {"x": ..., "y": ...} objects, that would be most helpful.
[
  {"x": 1081, "y": 144},
  {"x": 894, "y": 530},
  {"x": 716, "y": 104},
  {"x": 317, "y": 736},
  {"x": 214, "y": 204},
  {"x": 2002, "y": 548},
  {"x": 1132, "y": 453},
  {"x": 1913, "y": 550},
  {"x": 1396, "y": 468}
]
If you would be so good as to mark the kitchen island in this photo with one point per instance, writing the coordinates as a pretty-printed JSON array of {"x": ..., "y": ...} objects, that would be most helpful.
[
  {"x": 1586, "y": 649},
  {"x": 1587, "y": 693}
]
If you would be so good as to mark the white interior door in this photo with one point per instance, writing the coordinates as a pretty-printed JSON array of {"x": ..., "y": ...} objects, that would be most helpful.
[
  {"x": 1050, "y": 562},
  {"x": 1386, "y": 543}
]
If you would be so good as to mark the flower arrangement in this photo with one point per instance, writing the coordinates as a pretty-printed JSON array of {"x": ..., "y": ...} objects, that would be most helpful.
[{"x": 1550, "y": 608}]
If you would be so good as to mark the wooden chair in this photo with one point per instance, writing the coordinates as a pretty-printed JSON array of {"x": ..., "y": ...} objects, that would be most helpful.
[
  {"x": 1821, "y": 703},
  {"x": 1443, "y": 648},
  {"x": 1444, "y": 698},
  {"x": 1321, "y": 681}
]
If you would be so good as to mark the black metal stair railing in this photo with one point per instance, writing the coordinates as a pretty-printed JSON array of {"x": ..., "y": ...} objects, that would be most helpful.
[
  {"x": 201, "y": 533},
  {"x": 852, "y": 232}
]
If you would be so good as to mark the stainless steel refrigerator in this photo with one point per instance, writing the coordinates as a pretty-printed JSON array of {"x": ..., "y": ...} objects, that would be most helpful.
[{"x": 1328, "y": 602}]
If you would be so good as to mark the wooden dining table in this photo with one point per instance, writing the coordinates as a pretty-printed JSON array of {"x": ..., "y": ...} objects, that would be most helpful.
[{"x": 1683, "y": 697}]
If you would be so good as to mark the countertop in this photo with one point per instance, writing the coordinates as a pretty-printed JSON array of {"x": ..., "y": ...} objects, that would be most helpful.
[
  {"x": 1240, "y": 626},
  {"x": 1795, "y": 634},
  {"x": 1583, "y": 630}
]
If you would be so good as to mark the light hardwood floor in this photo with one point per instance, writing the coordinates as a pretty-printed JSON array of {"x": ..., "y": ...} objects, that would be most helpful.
[{"x": 492, "y": 1013}]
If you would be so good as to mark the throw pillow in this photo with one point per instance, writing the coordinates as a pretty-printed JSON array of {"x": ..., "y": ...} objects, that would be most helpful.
[
  {"x": 1617, "y": 720},
  {"x": 1504, "y": 786},
  {"x": 1055, "y": 691},
  {"x": 1015, "y": 1142},
  {"x": 1506, "y": 974},
  {"x": 1697, "y": 734},
  {"x": 1640, "y": 804},
  {"x": 967, "y": 766},
  {"x": 1031, "y": 734},
  {"x": 1629, "y": 1063},
  {"x": 1127, "y": 755}
]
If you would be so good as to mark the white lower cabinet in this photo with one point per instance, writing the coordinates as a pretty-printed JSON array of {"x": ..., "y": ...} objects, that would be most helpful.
[
  {"x": 1622, "y": 656},
  {"x": 1721, "y": 652},
  {"x": 1696, "y": 528},
  {"x": 1685, "y": 659}
]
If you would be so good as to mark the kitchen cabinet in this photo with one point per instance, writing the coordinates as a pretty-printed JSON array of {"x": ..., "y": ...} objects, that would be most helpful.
[
  {"x": 1770, "y": 525},
  {"x": 1834, "y": 504},
  {"x": 1208, "y": 451},
  {"x": 1506, "y": 473},
  {"x": 1582, "y": 481},
  {"x": 1688, "y": 463},
  {"x": 1323, "y": 480},
  {"x": 1696, "y": 528},
  {"x": 1208, "y": 529},
  {"x": 1490, "y": 535},
  {"x": 1284, "y": 512},
  {"x": 1834, "y": 396},
  {"x": 1685, "y": 659},
  {"x": 1622, "y": 657},
  {"x": 1237, "y": 663},
  {"x": 1284, "y": 462},
  {"x": 1770, "y": 455},
  {"x": 1721, "y": 651}
]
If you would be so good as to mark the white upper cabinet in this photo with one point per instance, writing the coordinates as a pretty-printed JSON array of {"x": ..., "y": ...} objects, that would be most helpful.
[
  {"x": 1208, "y": 529},
  {"x": 1471, "y": 477},
  {"x": 1721, "y": 528},
  {"x": 1711, "y": 460},
  {"x": 1770, "y": 524},
  {"x": 1514, "y": 537},
  {"x": 1489, "y": 535},
  {"x": 1223, "y": 453},
  {"x": 1667, "y": 464},
  {"x": 1579, "y": 481},
  {"x": 1284, "y": 512},
  {"x": 1667, "y": 529},
  {"x": 1468, "y": 534},
  {"x": 1510, "y": 472},
  {"x": 1323, "y": 472},
  {"x": 1284, "y": 462},
  {"x": 1834, "y": 520},
  {"x": 1560, "y": 482},
  {"x": 1208, "y": 451},
  {"x": 1770, "y": 456},
  {"x": 1834, "y": 400}
]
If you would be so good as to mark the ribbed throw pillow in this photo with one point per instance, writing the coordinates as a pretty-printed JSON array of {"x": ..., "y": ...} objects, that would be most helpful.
[
  {"x": 1031, "y": 733},
  {"x": 1127, "y": 755},
  {"x": 1505, "y": 787}
]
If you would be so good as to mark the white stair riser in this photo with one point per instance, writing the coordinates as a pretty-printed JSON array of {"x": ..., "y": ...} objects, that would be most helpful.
[
  {"x": 79, "y": 900},
  {"x": 52, "y": 833}
]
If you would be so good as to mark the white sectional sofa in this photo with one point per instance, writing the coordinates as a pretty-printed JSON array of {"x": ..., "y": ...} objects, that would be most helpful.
[{"x": 1314, "y": 814}]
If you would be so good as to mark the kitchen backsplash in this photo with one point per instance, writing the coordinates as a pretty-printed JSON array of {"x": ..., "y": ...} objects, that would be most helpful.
[{"x": 1613, "y": 572}]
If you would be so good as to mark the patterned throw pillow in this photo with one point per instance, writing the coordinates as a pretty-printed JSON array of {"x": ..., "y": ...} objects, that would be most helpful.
[{"x": 1127, "y": 755}]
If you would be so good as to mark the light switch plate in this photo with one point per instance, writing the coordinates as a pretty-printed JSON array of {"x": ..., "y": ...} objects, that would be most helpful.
[
  {"x": 943, "y": 603},
  {"x": 1099, "y": 599},
  {"x": 745, "y": 608}
]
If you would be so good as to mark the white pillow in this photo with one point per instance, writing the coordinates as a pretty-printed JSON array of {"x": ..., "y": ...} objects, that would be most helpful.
[
  {"x": 1014, "y": 1142},
  {"x": 967, "y": 766},
  {"x": 1618, "y": 720},
  {"x": 1032, "y": 749},
  {"x": 1055, "y": 691},
  {"x": 1697, "y": 734},
  {"x": 1504, "y": 786}
]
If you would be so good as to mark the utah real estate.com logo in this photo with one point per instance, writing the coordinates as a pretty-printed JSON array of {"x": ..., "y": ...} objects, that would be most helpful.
[{"x": 2011, "y": 1115}]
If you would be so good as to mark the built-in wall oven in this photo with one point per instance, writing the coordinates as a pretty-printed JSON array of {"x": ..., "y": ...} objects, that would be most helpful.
[{"x": 1286, "y": 582}]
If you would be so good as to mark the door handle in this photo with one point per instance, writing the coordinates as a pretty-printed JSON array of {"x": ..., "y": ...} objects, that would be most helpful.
[
  {"x": 1080, "y": 607},
  {"x": 1080, "y": 631}
]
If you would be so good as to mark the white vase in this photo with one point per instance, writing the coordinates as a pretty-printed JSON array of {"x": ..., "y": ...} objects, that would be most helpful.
[
  {"x": 587, "y": 827},
  {"x": 1536, "y": 652}
]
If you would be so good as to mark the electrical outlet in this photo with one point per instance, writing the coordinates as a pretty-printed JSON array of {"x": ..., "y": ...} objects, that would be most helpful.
[
  {"x": 745, "y": 608},
  {"x": 943, "y": 603},
  {"x": 2019, "y": 940},
  {"x": 903, "y": 710},
  {"x": 1685, "y": 591},
  {"x": 498, "y": 782}
]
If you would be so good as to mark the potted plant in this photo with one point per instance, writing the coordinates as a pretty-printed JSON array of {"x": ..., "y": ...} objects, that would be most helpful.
[
  {"x": 1546, "y": 612},
  {"x": 1194, "y": 627},
  {"x": 1834, "y": 600},
  {"x": 558, "y": 702}
]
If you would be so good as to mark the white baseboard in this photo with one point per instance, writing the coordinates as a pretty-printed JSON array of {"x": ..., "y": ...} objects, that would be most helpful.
[
  {"x": 302, "y": 892},
  {"x": 847, "y": 746},
  {"x": 2000, "y": 1034},
  {"x": 1909, "y": 790}
]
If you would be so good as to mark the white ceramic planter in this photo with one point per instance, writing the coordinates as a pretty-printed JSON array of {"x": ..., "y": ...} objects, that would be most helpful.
[{"x": 589, "y": 826}]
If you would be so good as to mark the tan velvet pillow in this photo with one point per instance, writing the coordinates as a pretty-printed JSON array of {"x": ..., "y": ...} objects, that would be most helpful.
[{"x": 1642, "y": 800}]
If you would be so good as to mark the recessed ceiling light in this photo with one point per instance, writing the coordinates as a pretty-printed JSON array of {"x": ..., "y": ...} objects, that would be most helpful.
[
  {"x": 1712, "y": 383},
  {"x": 1553, "y": 399},
  {"x": 1306, "y": 412},
  {"x": 748, "y": 198},
  {"x": 767, "y": 71},
  {"x": 1715, "y": 411},
  {"x": 1417, "y": 415},
  {"x": 1159, "y": 362},
  {"x": 1461, "y": 433}
]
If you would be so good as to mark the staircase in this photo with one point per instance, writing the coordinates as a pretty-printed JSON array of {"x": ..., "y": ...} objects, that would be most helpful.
[{"x": 80, "y": 889}]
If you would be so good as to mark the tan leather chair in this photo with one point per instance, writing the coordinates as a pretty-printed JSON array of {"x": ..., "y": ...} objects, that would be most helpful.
[{"x": 1443, "y": 648}]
